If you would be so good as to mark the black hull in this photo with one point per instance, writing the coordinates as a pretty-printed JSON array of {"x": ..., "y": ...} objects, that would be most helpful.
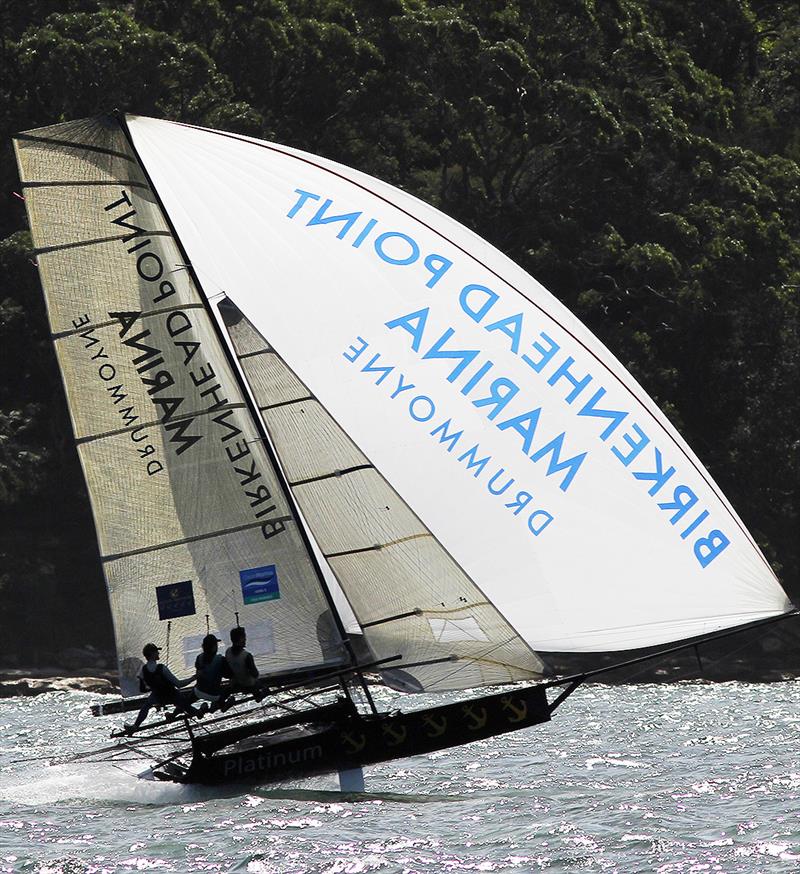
[{"x": 365, "y": 740}]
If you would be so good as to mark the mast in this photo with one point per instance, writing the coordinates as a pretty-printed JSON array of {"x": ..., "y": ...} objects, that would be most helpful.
[{"x": 255, "y": 415}]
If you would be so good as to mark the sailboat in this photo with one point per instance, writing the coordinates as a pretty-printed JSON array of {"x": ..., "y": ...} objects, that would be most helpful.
[{"x": 311, "y": 405}]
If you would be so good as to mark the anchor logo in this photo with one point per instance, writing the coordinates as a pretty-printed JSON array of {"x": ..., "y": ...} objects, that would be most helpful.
[
  {"x": 477, "y": 720},
  {"x": 356, "y": 743},
  {"x": 436, "y": 727},
  {"x": 518, "y": 711},
  {"x": 394, "y": 735}
]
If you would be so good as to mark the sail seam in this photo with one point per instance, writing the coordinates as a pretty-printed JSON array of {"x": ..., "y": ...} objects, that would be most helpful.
[
  {"x": 60, "y": 335},
  {"x": 332, "y": 475},
  {"x": 257, "y": 352},
  {"x": 44, "y": 250},
  {"x": 91, "y": 438},
  {"x": 194, "y": 539},
  {"x": 377, "y": 546},
  {"x": 71, "y": 145}
]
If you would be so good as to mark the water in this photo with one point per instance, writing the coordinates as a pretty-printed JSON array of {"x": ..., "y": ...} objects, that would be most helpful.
[{"x": 668, "y": 779}]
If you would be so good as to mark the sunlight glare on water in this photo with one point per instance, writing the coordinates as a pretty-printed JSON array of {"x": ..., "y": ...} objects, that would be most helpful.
[{"x": 667, "y": 779}]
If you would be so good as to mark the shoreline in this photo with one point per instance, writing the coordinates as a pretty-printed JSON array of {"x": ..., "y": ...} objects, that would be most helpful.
[{"x": 28, "y": 682}]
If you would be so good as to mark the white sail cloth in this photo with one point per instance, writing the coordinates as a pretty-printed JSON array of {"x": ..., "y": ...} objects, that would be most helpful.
[{"x": 526, "y": 449}]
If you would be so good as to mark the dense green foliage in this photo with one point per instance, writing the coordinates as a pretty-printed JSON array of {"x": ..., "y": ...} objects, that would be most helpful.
[{"x": 640, "y": 157}]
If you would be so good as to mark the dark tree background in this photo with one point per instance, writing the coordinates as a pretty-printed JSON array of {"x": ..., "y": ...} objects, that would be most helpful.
[{"x": 640, "y": 157}]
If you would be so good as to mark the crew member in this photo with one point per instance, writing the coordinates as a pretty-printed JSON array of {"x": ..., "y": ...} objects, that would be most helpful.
[
  {"x": 211, "y": 668},
  {"x": 240, "y": 661},
  {"x": 162, "y": 684}
]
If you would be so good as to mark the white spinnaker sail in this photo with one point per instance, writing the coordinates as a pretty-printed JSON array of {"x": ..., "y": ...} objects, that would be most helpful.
[
  {"x": 411, "y": 598},
  {"x": 193, "y": 527},
  {"x": 520, "y": 442}
]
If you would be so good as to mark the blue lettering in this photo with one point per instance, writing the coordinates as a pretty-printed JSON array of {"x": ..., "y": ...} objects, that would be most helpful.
[
  {"x": 579, "y": 384},
  {"x": 706, "y": 549},
  {"x": 348, "y": 219},
  {"x": 479, "y": 464},
  {"x": 546, "y": 353},
  {"x": 489, "y": 301},
  {"x": 511, "y": 326},
  {"x": 384, "y": 370},
  {"x": 496, "y": 397},
  {"x": 466, "y": 356},
  {"x": 438, "y": 265},
  {"x": 452, "y": 438},
  {"x": 304, "y": 196},
  {"x": 525, "y": 425},
  {"x": 659, "y": 476},
  {"x": 636, "y": 446},
  {"x": 402, "y": 262},
  {"x": 414, "y": 323},
  {"x": 683, "y": 499},
  {"x": 356, "y": 350},
  {"x": 616, "y": 416},
  {"x": 425, "y": 417},
  {"x": 571, "y": 465}
]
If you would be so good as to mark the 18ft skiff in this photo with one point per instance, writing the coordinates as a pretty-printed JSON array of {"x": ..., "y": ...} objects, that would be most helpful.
[{"x": 310, "y": 404}]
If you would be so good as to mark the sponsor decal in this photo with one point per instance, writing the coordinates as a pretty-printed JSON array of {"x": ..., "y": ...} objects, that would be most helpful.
[
  {"x": 175, "y": 599},
  {"x": 259, "y": 584}
]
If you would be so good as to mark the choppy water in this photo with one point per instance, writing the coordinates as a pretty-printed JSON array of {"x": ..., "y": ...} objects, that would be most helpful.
[{"x": 667, "y": 779}]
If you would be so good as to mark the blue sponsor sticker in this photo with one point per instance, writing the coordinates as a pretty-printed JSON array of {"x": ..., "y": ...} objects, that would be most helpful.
[
  {"x": 175, "y": 599},
  {"x": 260, "y": 584}
]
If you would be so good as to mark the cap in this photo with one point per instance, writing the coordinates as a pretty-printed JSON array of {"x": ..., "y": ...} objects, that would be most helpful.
[
  {"x": 150, "y": 649},
  {"x": 209, "y": 639}
]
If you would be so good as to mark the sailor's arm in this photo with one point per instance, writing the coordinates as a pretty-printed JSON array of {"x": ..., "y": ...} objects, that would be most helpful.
[{"x": 179, "y": 684}]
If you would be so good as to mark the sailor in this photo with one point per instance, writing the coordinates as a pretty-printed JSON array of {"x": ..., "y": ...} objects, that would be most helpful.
[
  {"x": 162, "y": 684},
  {"x": 211, "y": 668},
  {"x": 240, "y": 661}
]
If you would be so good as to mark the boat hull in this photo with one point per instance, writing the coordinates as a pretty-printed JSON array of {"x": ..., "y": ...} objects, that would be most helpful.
[{"x": 365, "y": 740}]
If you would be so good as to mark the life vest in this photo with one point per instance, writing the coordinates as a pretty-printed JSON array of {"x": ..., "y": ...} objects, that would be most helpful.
[
  {"x": 157, "y": 683},
  {"x": 210, "y": 674},
  {"x": 237, "y": 662}
]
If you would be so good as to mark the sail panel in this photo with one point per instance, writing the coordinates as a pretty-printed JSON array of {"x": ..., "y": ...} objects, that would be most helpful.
[
  {"x": 271, "y": 384},
  {"x": 79, "y": 282},
  {"x": 192, "y": 521},
  {"x": 288, "y": 426},
  {"x": 67, "y": 215},
  {"x": 287, "y": 628},
  {"x": 514, "y": 435}
]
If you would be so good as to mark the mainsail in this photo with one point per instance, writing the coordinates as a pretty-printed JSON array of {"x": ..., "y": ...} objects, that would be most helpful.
[{"x": 195, "y": 531}]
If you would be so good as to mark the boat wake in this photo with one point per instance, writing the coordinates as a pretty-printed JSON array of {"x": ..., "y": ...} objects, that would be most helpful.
[
  {"x": 103, "y": 784},
  {"x": 100, "y": 784}
]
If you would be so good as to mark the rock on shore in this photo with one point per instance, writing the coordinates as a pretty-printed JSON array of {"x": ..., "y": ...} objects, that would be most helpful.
[{"x": 12, "y": 687}]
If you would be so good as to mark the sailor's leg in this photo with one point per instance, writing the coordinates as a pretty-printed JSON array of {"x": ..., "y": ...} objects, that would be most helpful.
[
  {"x": 142, "y": 714},
  {"x": 351, "y": 780}
]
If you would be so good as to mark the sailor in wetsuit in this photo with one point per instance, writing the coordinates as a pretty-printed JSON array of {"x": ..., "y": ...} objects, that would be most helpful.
[
  {"x": 240, "y": 661},
  {"x": 211, "y": 667},
  {"x": 163, "y": 686}
]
